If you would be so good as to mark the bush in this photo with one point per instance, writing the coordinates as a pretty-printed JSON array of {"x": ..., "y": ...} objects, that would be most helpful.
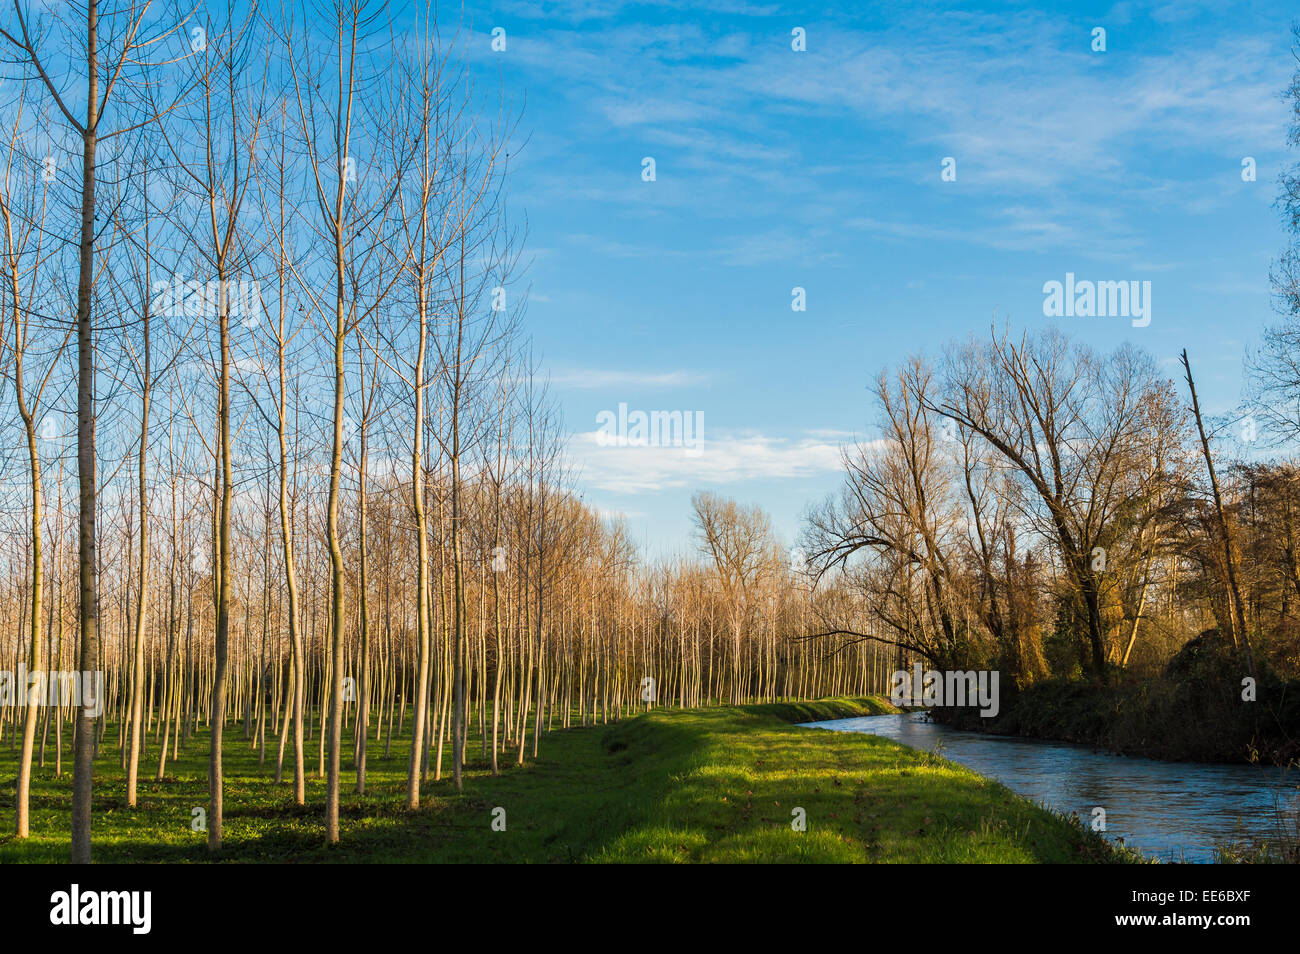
[{"x": 1194, "y": 711}]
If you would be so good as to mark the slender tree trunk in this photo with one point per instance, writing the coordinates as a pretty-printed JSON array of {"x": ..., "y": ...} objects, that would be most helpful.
[{"x": 88, "y": 553}]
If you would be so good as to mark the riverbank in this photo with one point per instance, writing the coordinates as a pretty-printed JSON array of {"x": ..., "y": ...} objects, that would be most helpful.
[
  {"x": 1159, "y": 718},
  {"x": 1172, "y": 811},
  {"x": 697, "y": 785}
]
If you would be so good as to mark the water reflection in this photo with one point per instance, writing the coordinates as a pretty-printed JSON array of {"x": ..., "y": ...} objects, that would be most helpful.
[{"x": 1177, "y": 811}]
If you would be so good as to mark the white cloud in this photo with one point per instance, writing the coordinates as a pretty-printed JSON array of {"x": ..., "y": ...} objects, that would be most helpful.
[
  {"x": 593, "y": 378},
  {"x": 722, "y": 459},
  {"x": 616, "y": 513}
]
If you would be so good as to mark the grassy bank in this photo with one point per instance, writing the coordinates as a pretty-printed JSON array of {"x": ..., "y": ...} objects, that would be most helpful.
[{"x": 715, "y": 785}]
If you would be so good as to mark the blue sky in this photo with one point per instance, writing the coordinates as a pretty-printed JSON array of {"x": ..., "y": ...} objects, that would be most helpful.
[{"x": 822, "y": 169}]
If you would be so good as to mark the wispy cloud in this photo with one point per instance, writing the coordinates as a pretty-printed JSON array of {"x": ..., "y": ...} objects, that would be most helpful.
[
  {"x": 593, "y": 378},
  {"x": 1023, "y": 104},
  {"x": 722, "y": 459}
]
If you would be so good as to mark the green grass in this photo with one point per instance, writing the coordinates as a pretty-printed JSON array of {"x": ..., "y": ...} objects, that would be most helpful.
[{"x": 696, "y": 785}]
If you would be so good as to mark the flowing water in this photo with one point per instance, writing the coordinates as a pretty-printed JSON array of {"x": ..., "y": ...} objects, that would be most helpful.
[{"x": 1176, "y": 811}]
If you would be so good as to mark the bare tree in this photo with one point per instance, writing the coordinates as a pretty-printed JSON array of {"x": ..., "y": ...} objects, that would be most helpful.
[
  {"x": 128, "y": 41},
  {"x": 23, "y": 261}
]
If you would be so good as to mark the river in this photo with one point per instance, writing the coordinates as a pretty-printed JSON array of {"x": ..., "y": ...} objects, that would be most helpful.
[{"x": 1175, "y": 811}]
